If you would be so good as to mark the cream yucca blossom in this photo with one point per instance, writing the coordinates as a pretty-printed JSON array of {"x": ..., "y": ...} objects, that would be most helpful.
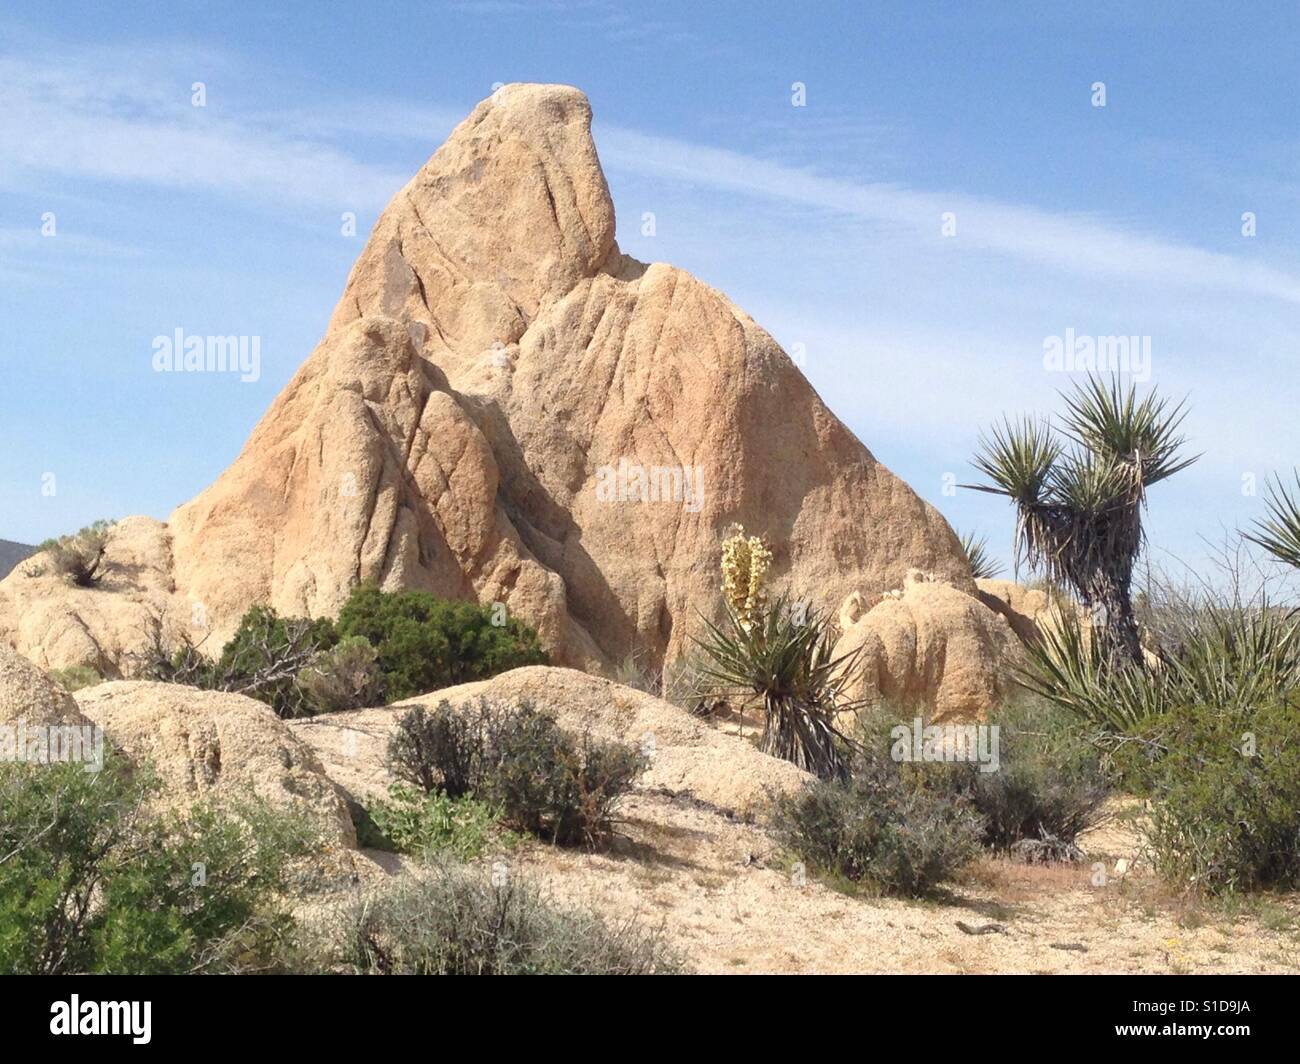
[{"x": 745, "y": 562}]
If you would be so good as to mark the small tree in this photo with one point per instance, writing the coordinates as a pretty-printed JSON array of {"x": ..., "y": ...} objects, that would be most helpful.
[
  {"x": 79, "y": 557},
  {"x": 1079, "y": 500}
]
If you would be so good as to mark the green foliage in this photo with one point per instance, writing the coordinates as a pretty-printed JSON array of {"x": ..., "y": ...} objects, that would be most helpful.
[
  {"x": 425, "y": 643},
  {"x": 75, "y": 677},
  {"x": 414, "y": 822},
  {"x": 91, "y": 883},
  {"x": 786, "y": 658},
  {"x": 518, "y": 760},
  {"x": 982, "y": 564},
  {"x": 1226, "y": 798},
  {"x": 344, "y": 677},
  {"x": 881, "y": 828},
  {"x": 1049, "y": 786},
  {"x": 263, "y": 660},
  {"x": 1232, "y": 658},
  {"x": 1279, "y": 533},
  {"x": 79, "y": 556},
  {"x": 554, "y": 786},
  {"x": 458, "y": 921}
]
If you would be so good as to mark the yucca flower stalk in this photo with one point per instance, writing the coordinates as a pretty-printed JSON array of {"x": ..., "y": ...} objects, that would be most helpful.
[
  {"x": 788, "y": 662},
  {"x": 1079, "y": 491}
]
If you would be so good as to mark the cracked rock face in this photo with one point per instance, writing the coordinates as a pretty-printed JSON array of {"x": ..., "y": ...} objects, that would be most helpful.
[{"x": 506, "y": 408}]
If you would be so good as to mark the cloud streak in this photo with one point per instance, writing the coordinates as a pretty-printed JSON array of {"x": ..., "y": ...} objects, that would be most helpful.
[{"x": 1072, "y": 244}]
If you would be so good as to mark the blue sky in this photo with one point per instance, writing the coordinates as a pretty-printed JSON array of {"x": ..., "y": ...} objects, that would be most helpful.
[{"x": 823, "y": 221}]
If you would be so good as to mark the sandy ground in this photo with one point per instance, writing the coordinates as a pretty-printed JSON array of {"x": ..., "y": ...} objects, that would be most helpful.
[{"x": 731, "y": 903}]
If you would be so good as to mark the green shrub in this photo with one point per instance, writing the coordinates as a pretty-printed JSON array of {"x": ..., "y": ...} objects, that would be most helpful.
[
  {"x": 344, "y": 677},
  {"x": 552, "y": 785},
  {"x": 457, "y": 921},
  {"x": 520, "y": 761},
  {"x": 421, "y": 824},
  {"x": 1225, "y": 815},
  {"x": 79, "y": 557},
  {"x": 264, "y": 660},
  {"x": 75, "y": 677},
  {"x": 442, "y": 750},
  {"x": 1049, "y": 786},
  {"x": 880, "y": 828},
  {"x": 91, "y": 883},
  {"x": 425, "y": 643}
]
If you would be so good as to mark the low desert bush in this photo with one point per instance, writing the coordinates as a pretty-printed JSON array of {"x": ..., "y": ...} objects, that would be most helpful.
[
  {"x": 1048, "y": 788},
  {"x": 413, "y": 822},
  {"x": 467, "y": 921},
  {"x": 344, "y": 677},
  {"x": 1225, "y": 796},
  {"x": 880, "y": 829},
  {"x": 79, "y": 557},
  {"x": 90, "y": 882},
  {"x": 263, "y": 659},
  {"x": 75, "y": 677},
  {"x": 517, "y": 759},
  {"x": 425, "y": 643}
]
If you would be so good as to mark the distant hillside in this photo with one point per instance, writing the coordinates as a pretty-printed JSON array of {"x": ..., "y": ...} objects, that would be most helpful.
[{"x": 11, "y": 554}]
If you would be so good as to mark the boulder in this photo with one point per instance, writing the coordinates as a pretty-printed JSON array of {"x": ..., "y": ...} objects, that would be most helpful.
[
  {"x": 56, "y": 624},
  {"x": 28, "y": 695},
  {"x": 686, "y": 755},
  {"x": 220, "y": 746},
  {"x": 928, "y": 648}
]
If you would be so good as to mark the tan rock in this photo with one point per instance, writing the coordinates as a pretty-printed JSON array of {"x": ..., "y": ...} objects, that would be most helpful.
[
  {"x": 56, "y": 624},
  {"x": 687, "y": 756},
  {"x": 928, "y": 648},
  {"x": 212, "y": 744},
  {"x": 506, "y": 408},
  {"x": 28, "y": 695}
]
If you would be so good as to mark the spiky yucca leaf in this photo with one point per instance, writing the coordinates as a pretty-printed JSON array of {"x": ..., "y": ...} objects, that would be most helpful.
[
  {"x": 1231, "y": 659},
  {"x": 1018, "y": 458},
  {"x": 1111, "y": 423},
  {"x": 790, "y": 663},
  {"x": 983, "y": 566},
  {"x": 1279, "y": 533}
]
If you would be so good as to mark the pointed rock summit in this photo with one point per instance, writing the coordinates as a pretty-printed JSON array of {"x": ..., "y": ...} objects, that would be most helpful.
[{"x": 506, "y": 408}]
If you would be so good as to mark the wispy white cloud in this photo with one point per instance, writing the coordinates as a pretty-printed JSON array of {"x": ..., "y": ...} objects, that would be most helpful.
[
  {"x": 84, "y": 119},
  {"x": 1077, "y": 244}
]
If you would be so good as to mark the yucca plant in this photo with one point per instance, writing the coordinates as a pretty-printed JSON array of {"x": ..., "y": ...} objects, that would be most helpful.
[
  {"x": 1279, "y": 533},
  {"x": 1079, "y": 491},
  {"x": 982, "y": 564},
  {"x": 787, "y": 661},
  {"x": 1233, "y": 659}
]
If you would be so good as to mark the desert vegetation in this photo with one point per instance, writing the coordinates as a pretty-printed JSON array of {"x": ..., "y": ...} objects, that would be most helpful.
[
  {"x": 1079, "y": 488},
  {"x": 382, "y": 648},
  {"x": 519, "y": 762},
  {"x": 453, "y": 921},
  {"x": 78, "y": 557},
  {"x": 93, "y": 881},
  {"x": 781, "y": 652}
]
